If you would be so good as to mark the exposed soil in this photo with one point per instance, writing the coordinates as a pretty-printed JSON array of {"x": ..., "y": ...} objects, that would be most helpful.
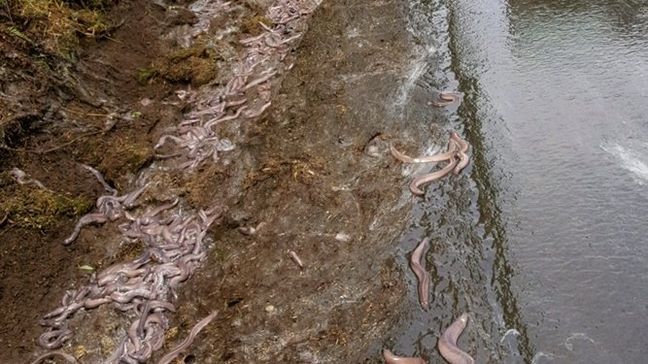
[
  {"x": 313, "y": 175},
  {"x": 319, "y": 167},
  {"x": 51, "y": 122}
]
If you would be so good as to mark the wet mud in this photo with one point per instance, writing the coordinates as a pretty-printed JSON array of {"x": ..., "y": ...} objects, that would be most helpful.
[
  {"x": 312, "y": 176},
  {"x": 321, "y": 183}
]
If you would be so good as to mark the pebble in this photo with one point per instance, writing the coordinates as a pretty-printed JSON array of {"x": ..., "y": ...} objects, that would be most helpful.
[{"x": 345, "y": 238}]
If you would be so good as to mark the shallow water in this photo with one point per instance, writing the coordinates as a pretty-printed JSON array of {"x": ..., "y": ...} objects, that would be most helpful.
[{"x": 544, "y": 234}]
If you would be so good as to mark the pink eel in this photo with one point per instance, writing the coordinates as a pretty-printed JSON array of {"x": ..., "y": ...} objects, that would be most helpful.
[
  {"x": 390, "y": 358},
  {"x": 417, "y": 263},
  {"x": 430, "y": 177},
  {"x": 448, "y": 343},
  {"x": 452, "y": 150},
  {"x": 446, "y": 98},
  {"x": 463, "y": 148}
]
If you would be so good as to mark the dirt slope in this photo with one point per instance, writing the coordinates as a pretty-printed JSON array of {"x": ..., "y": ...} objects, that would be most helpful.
[{"x": 314, "y": 175}]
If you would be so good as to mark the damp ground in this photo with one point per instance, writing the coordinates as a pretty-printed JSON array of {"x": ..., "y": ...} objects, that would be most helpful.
[{"x": 313, "y": 175}]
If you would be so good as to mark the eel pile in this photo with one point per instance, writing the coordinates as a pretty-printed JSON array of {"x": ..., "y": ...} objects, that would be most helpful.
[
  {"x": 174, "y": 237},
  {"x": 456, "y": 157}
]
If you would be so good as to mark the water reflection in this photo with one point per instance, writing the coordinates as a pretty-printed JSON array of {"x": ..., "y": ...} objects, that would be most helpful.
[
  {"x": 546, "y": 237},
  {"x": 559, "y": 89},
  {"x": 468, "y": 256}
]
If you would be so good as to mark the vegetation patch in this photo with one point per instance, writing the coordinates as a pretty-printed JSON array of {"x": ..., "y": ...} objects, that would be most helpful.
[
  {"x": 116, "y": 157},
  {"x": 53, "y": 26},
  {"x": 145, "y": 74},
  {"x": 40, "y": 209},
  {"x": 196, "y": 65},
  {"x": 124, "y": 156},
  {"x": 128, "y": 251},
  {"x": 201, "y": 186}
]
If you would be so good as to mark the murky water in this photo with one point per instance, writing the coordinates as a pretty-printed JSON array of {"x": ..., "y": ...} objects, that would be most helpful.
[{"x": 545, "y": 234}]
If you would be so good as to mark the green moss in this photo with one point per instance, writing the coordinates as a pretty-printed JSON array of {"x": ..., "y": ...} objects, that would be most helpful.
[
  {"x": 116, "y": 157},
  {"x": 2, "y": 131},
  {"x": 145, "y": 74},
  {"x": 91, "y": 4},
  {"x": 125, "y": 155},
  {"x": 196, "y": 70},
  {"x": 136, "y": 155},
  {"x": 200, "y": 186},
  {"x": 218, "y": 254},
  {"x": 36, "y": 208},
  {"x": 6, "y": 179},
  {"x": 198, "y": 50},
  {"x": 128, "y": 251},
  {"x": 14, "y": 32},
  {"x": 90, "y": 22}
]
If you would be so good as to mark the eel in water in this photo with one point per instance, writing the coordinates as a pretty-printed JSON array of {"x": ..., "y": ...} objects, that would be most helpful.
[
  {"x": 448, "y": 343},
  {"x": 417, "y": 263},
  {"x": 430, "y": 177},
  {"x": 463, "y": 148},
  {"x": 390, "y": 358},
  {"x": 455, "y": 155},
  {"x": 446, "y": 98},
  {"x": 452, "y": 150}
]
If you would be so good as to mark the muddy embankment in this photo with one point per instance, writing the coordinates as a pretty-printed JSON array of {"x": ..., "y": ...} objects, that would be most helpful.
[
  {"x": 56, "y": 113},
  {"x": 313, "y": 175},
  {"x": 323, "y": 184}
]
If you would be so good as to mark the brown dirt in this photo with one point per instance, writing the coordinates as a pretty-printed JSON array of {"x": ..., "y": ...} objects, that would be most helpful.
[
  {"x": 316, "y": 166},
  {"x": 49, "y": 125},
  {"x": 313, "y": 173}
]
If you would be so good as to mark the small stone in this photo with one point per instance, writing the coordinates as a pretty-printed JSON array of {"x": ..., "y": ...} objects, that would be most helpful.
[
  {"x": 270, "y": 309},
  {"x": 80, "y": 351},
  {"x": 171, "y": 334},
  {"x": 343, "y": 237},
  {"x": 182, "y": 94},
  {"x": 247, "y": 230}
]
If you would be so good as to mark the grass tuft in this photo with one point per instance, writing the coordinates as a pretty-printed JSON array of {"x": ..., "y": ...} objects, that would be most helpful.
[{"x": 54, "y": 25}]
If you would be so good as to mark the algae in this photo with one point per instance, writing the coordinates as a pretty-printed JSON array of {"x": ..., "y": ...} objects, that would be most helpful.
[{"x": 145, "y": 74}]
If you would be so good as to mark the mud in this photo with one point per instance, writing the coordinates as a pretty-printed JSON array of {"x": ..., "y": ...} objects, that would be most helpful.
[
  {"x": 313, "y": 175},
  {"x": 319, "y": 167}
]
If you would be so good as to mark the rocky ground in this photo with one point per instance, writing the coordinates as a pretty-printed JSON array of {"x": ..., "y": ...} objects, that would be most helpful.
[{"x": 312, "y": 174}]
